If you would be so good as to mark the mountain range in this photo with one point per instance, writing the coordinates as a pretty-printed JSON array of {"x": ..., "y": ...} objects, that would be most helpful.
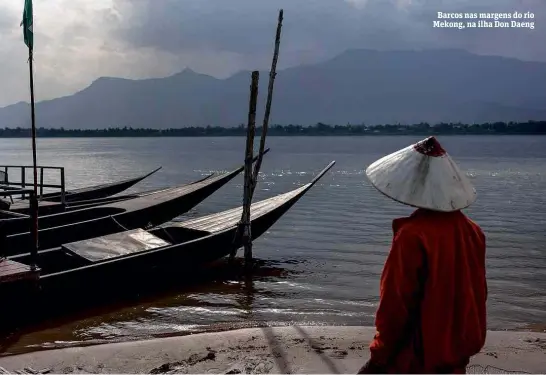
[{"x": 357, "y": 86}]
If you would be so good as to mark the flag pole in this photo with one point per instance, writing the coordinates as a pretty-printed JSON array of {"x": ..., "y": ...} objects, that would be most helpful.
[
  {"x": 28, "y": 33},
  {"x": 34, "y": 198}
]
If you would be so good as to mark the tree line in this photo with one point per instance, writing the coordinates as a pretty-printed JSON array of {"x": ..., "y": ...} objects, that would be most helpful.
[{"x": 320, "y": 129}]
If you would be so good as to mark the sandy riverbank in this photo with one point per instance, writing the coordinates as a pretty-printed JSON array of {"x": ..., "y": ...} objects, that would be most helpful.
[{"x": 294, "y": 349}]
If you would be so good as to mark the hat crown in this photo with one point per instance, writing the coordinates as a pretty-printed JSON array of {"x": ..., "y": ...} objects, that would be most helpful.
[{"x": 429, "y": 147}]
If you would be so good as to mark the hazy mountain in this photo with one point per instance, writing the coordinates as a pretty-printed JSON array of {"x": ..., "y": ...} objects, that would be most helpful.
[{"x": 358, "y": 86}]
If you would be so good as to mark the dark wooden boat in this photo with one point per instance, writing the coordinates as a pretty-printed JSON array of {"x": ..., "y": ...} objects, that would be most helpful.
[
  {"x": 145, "y": 211},
  {"x": 113, "y": 260},
  {"x": 97, "y": 191},
  {"x": 48, "y": 208},
  {"x": 51, "y": 203}
]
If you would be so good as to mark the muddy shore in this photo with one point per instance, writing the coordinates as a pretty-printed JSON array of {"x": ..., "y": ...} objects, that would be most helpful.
[{"x": 294, "y": 349}]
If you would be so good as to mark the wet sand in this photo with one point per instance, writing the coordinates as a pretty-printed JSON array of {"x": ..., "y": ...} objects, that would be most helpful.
[{"x": 292, "y": 349}]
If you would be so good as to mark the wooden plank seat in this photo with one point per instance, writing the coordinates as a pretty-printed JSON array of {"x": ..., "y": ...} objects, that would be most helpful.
[
  {"x": 115, "y": 245},
  {"x": 14, "y": 271}
]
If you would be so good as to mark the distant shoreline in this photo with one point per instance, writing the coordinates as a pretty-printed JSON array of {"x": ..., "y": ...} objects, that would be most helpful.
[{"x": 320, "y": 129}]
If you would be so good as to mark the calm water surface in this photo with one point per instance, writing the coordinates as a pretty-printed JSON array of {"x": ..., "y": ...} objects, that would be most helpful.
[{"x": 321, "y": 262}]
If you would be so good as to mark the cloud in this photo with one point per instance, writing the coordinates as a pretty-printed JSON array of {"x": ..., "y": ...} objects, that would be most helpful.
[
  {"x": 315, "y": 29},
  {"x": 74, "y": 43},
  {"x": 525, "y": 44},
  {"x": 247, "y": 27},
  {"x": 67, "y": 46},
  {"x": 79, "y": 41}
]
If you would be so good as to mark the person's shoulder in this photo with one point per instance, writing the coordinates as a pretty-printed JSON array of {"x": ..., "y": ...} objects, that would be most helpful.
[
  {"x": 407, "y": 227},
  {"x": 419, "y": 219},
  {"x": 472, "y": 223},
  {"x": 476, "y": 228}
]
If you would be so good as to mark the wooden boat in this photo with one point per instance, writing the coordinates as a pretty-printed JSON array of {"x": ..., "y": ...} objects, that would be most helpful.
[
  {"x": 51, "y": 203},
  {"x": 145, "y": 211},
  {"x": 112, "y": 260},
  {"x": 49, "y": 208},
  {"x": 97, "y": 191}
]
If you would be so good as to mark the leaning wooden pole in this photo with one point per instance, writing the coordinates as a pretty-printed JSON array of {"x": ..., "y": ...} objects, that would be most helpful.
[
  {"x": 251, "y": 177},
  {"x": 272, "y": 75},
  {"x": 247, "y": 197}
]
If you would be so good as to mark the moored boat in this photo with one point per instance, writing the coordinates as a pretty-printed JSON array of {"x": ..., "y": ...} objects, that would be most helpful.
[
  {"x": 50, "y": 208},
  {"x": 51, "y": 203},
  {"x": 145, "y": 211},
  {"x": 97, "y": 191},
  {"x": 117, "y": 259}
]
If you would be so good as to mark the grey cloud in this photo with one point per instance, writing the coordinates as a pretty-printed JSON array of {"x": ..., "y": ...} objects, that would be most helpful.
[
  {"x": 525, "y": 44},
  {"x": 148, "y": 38},
  {"x": 8, "y": 19},
  {"x": 240, "y": 26},
  {"x": 322, "y": 28},
  {"x": 5, "y": 20}
]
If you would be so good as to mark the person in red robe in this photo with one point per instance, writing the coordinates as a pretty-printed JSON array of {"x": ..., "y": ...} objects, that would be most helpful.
[{"x": 431, "y": 316}]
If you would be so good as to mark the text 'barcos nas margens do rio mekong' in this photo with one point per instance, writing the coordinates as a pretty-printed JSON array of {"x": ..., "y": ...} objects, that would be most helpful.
[{"x": 485, "y": 20}]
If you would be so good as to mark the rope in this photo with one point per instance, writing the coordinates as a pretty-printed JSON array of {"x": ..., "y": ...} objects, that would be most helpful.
[
  {"x": 118, "y": 223},
  {"x": 168, "y": 235}
]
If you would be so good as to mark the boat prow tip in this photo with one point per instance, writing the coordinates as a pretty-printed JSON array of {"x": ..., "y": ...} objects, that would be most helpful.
[
  {"x": 323, "y": 172},
  {"x": 151, "y": 173},
  {"x": 155, "y": 170}
]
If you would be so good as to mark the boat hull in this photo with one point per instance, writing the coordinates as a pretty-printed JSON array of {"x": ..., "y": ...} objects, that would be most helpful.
[
  {"x": 146, "y": 211},
  {"x": 51, "y": 208},
  {"x": 194, "y": 244},
  {"x": 143, "y": 212},
  {"x": 98, "y": 191},
  {"x": 65, "y": 292},
  {"x": 177, "y": 258}
]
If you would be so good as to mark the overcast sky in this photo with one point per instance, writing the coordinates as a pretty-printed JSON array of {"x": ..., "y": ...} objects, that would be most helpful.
[{"x": 77, "y": 41}]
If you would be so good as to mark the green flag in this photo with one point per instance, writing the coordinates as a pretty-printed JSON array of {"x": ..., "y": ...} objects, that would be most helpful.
[{"x": 27, "y": 24}]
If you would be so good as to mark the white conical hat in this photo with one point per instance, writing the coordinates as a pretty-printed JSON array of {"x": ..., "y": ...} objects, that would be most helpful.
[{"x": 423, "y": 175}]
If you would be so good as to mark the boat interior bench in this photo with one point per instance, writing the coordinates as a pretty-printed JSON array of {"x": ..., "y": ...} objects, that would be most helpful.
[
  {"x": 115, "y": 245},
  {"x": 15, "y": 271},
  {"x": 130, "y": 242}
]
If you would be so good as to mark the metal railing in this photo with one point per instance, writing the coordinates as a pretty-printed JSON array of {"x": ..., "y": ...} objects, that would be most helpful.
[
  {"x": 33, "y": 204},
  {"x": 6, "y": 184}
]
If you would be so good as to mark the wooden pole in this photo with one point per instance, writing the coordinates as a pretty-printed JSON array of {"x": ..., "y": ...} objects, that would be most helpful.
[
  {"x": 247, "y": 198},
  {"x": 34, "y": 198},
  {"x": 272, "y": 75},
  {"x": 251, "y": 177}
]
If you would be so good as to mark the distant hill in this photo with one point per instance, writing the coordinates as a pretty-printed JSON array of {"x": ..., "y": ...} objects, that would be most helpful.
[{"x": 358, "y": 86}]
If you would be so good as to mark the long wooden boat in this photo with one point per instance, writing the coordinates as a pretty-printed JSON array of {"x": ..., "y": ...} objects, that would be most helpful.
[
  {"x": 50, "y": 208},
  {"x": 145, "y": 211},
  {"x": 113, "y": 260},
  {"x": 51, "y": 203},
  {"x": 97, "y": 191}
]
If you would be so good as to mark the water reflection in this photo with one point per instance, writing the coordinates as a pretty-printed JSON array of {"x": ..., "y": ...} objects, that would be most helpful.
[{"x": 246, "y": 298}]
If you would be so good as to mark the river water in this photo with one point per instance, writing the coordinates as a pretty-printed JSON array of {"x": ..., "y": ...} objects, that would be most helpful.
[{"x": 321, "y": 262}]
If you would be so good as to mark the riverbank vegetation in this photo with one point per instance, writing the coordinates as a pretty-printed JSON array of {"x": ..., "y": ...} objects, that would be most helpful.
[{"x": 320, "y": 129}]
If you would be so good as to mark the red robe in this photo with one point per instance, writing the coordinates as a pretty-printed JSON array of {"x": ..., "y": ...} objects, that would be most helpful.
[{"x": 437, "y": 258}]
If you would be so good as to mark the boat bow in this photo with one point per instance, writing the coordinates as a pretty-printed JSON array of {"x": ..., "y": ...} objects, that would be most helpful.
[{"x": 230, "y": 218}]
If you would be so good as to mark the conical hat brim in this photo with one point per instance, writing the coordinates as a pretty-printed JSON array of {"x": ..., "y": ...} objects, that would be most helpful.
[{"x": 415, "y": 179}]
